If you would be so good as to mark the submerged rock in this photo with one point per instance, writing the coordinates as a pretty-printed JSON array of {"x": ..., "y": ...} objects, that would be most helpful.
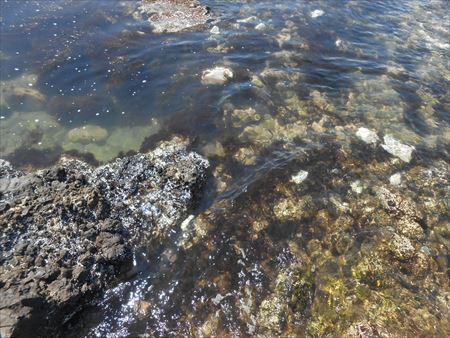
[
  {"x": 217, "y": 75},
  {"x": 401, "y": 247},
  {"x": 241, "y": 117},
  {"x": 367, "y": 136},
  {"x": 250, "y": 19},
  {"x": 69, "y": 231},
  {"x": 357, "y": 186},
  {"x": 215, "y": 30},
  {"x": 261, "y": 26},
  {"x": 21, "y": 93},
  {"x": 35, "y": 129},
  {"x": 316, "y": 13},
  {"x": 174, "y": 15},
  {"x": 299, "y": 177},
  {"x": 395, "y": 179},
  {"x": 246, "y": 156},
  {"x": 88, "y": 133},
  {"x": 294, "y": 209},
  {"x": 213, "y": 149},
  {"x": 398, "y": 149},
  {"x": 121, "y": 140},
  {"x": 272, "y": 315}
]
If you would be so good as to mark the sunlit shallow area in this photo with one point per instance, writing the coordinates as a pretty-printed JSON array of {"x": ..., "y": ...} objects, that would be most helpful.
[{"x": 322, "y": 127}]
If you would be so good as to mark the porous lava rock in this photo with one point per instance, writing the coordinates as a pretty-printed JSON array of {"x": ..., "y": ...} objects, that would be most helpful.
[{"x": 69, "y": 231}]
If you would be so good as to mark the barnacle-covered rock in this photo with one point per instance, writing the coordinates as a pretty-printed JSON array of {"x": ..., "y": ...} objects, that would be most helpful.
[{"x": 67, "y": 232}]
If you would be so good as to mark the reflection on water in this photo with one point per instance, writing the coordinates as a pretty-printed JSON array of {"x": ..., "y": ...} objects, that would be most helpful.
[{"x": 327, "y": 124}]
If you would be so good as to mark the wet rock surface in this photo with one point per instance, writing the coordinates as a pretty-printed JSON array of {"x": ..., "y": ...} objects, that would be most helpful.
[
  {"x": 217, "y": 75},
  {"x": 175, "y": 15},
  {"x": 70, "y": 231}
]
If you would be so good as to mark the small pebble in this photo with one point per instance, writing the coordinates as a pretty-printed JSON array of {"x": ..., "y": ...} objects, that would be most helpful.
[
  {"x": 367, "y": 136},
  {"x": 395, "y": 179},
  {"x": 215, "y": 30},
  {"x": 316, "y": 13},
  {"x": 299, "y": 177},
  {"x": 261, "y": 26}
]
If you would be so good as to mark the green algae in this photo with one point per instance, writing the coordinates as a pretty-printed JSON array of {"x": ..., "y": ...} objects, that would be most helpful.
[
  {"x": 120, "y": 140},
  {"x": 37, "y": 130}
]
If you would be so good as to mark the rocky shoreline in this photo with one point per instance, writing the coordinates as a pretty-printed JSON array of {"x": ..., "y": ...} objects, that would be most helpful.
[{"x": 68, "y": 232}]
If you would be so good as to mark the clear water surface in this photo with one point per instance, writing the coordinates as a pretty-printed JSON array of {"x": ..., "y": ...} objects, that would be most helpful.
[{"x": 90, "y": 79}]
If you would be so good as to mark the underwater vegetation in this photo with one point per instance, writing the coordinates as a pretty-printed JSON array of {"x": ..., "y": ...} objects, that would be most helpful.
[{"x": 325, "y": 209}]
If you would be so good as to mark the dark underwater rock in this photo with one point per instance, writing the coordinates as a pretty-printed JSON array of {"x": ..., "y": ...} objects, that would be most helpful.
[{"x": 68, "y": 232}]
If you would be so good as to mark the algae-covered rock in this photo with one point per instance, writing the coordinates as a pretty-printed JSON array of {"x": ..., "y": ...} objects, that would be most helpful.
[
  {"x": 29, "y": 130},
  {"x": 401, "y": 247},
  {"x": 321, "y": 101},
  {"x": 88, "y": 133},
  {"x": 21, "y": 94},
  {"x": 296, "y": 104},
  {"x": 174, "y": 15},
  {"x": 397, "y": 205},
  {"x": 120, "y": 140},
  {"x": 246, "y": 156},
  {"x": 210, "y": 325},
  {"x": 213, "y": 149},
  {"x": 294, "y": 209},
  {"x": 296, "y": 285},
  {"x": 372, "y": 270},
  {"x": 274, "y": 74},
  {"x": 270, "y": 130},
  {"x": 363, "y": 329},
  {"x": 241, "y": 117},
  {"x": 272, "y": 315},
  {"x": 409, "y": 228}
]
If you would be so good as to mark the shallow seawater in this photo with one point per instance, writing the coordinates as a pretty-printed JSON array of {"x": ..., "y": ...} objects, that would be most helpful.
[{"x": 293, "y": 235}]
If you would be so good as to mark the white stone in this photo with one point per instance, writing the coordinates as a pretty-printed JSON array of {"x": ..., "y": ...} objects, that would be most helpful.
[
  {"x": 261, "y": 26},
  {"x": 397, "y": 149},
  {"x": 316, "y": 13},
  {"x": 185, "y": 224},
  {"x": 357, "y": 187},
  {"x": 248, "y": 20},
  {"x": 395, "y": 179},
  {"x": 217, "y": 75},
  {"x": 217, "y": 299},
  {"x": 367, "y": 136},
  {"x": 299, "y": 177},
  {"x": 215, "y": 30}
]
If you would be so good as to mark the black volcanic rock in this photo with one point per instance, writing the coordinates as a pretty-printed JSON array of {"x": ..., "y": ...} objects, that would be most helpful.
[{"x": 68, "y": 232}]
